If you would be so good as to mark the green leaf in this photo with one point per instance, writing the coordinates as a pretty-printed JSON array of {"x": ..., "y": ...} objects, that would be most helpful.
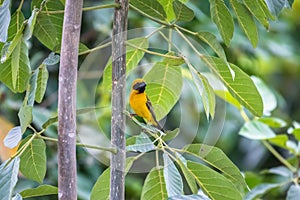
[
  {"x": 182, "y": 12},
  {"x": 41, "y": 84},
  {"x": 190, "y": 197},
  {"x": 133, "y": 57},
  {"x": 168, "y": 7},
  {"x": 293, "y": 192},
  {"x": 154, "y": 186},
  {"x": 169, "y": 135},
  {"x": 255, "y": 7},
  {"x": 215, "y": 157},
  {"x": 273, "y": 122},
  {"x": 150, "y": 7},
  {"x": 4, "y": 14},
  {"x": 260, "y": 190},
  {"x": 246, "y": 21},
  {"x": 13, "y": 137},
  {"x": 256, "y": 130},
  {"x": 142, "y": 144},
  {"x": 31, "y": 90},
  {"x": 241, "y": 86},
  {"x": 173, "y": 180},
  {"x": 102, "y": 185},
  {"x": 212, "y": 41},
  {"x": 164, "y": 83},
  {"x": 30, "y": 24},
  {"x": 25, "y": 116},
  {"x": 214, "y": 184},
  {"x": 281, "y": 170},
  {"x": 222, "y": 18},
  {"x": 41, "y": 190},
  {"x": 8, "y": 178},
  {"x": 296, "y": 133},
  {"x": 33, "y": 160},
  {"x": 280, "y": 140}
]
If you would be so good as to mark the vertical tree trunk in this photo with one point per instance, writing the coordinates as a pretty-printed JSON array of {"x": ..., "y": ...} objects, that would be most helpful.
[
  {"x": 67, "y": 181},
  {"x": 117, "y": 176}
]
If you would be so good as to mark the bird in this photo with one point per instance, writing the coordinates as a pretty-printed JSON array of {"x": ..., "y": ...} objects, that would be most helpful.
[{"x": 141, "y": 104}]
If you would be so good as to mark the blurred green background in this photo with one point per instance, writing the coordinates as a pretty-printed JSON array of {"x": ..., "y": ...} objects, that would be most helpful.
[{"x": 276, "y": 60}]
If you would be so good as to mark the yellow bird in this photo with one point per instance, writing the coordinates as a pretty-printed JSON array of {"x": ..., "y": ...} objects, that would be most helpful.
[{"x": 141, "y": 104}]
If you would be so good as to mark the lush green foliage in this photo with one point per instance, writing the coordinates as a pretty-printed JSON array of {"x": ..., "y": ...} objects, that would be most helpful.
[{"x": 178, "y": 55}]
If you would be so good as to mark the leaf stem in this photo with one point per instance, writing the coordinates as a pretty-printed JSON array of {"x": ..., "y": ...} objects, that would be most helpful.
[
  {"x": 278, "y": 156},
  {"x": 20, "y": 6},
  {"x": 95, "y": 49},
  {"x": 150, "y": 17},
  {"x": 112, "y": 150},
  {"x": 112, "y": 5}
]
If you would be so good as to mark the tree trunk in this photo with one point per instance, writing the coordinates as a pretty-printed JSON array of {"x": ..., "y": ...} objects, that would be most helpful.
[
  {"x": 117, "y": 175},
  {"x": 67, "y": 180}
]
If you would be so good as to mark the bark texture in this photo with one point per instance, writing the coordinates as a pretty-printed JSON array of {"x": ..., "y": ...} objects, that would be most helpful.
[{"x": 67, "y": 181}]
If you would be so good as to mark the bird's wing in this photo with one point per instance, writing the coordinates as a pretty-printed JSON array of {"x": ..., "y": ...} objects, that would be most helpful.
[{"x": 150, "y": 108}]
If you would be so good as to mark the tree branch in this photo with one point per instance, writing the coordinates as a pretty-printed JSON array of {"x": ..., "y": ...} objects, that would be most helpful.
[
  {"x": 67, "y": 181},
  {"x": 117, "y": 180}
]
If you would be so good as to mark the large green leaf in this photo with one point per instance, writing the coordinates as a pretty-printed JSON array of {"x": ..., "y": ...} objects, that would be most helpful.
[
  {"x": 215, "y": 185},
  {"x": 215, "y": 157},
  {"x": 256, "y": 130},
  {"x": 182, "y": 12},
  {"x": 25, "y": 116},
  {"x": 212, "y": 41},
  {"x": 173, "y": 180},
  {"x": 164, "y": 83},
  {"x": 41, "y": 190},
  {"x": 150, "y": 7},
  {"x": 102, "y": 186},
  {"x": 33, "y": 160},
  {"x": 4, "y": 14},
  {"x": 154, "y": 186},
  {"x": 8, "y": 178},
  {"x": 246, "y": 21},
  {"x": 15, "y": 71},
  {"x": 240, "y": 86},
  {"x": 223, "y": 19},
  {"x": 133, "y": 57}
]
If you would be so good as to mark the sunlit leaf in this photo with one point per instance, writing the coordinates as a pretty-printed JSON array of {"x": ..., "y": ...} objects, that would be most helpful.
[
  {"x": 215, "y": 157},
  {"x": 273, "y": 122},
  {"x": 246, "y": 21},
  {"x": 30, "y": 24},
  {"x": 182, "y": 12},
  {"x": 41, "y": 190},
  {"x": 223, "y": 19},
  {"x": 164, "y": 83},
  {"x": 169, "y": 135},
  {"x": 256, "y": 130},
  {"x": 17, "y": 197},
  {"x": 281, "y": 170},
  {"x": 4, "y": 14},
  {"x": 173, "y": 180},
  {"x": 8, "y": 178},
  {"x": 154, "y": 186},
  {"x": 52, "y": 59},
  {"x": 190, "y": 197},
  {"x": 168, "y": 7},
  {"x": 13, "y": 137},
  {"x": 215, "y": 185},
  {"x": 150, "y": 7},
  {"x": 33, "y": 160}
]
